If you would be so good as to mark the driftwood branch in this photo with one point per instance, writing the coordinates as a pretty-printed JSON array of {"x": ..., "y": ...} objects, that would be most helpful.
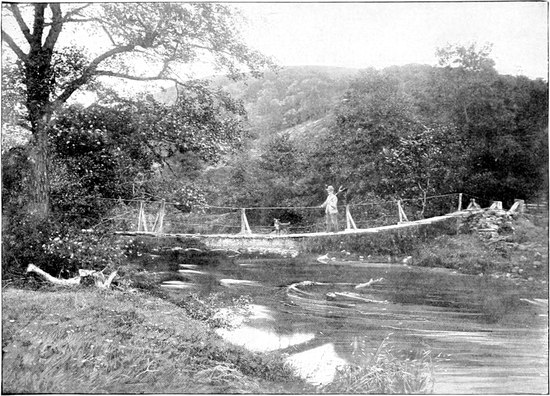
[{"x": 99, "y": 278}]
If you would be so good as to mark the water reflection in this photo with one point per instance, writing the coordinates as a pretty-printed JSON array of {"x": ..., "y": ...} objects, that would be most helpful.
[
  {"x": 263, "y": 339},
  {"x": 317, "y": 365}
]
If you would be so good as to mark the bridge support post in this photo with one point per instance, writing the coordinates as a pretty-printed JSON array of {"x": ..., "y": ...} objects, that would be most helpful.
[
  {"x": 142, "y": 220},
  {"x": 473, "y": 205},
  {"x": 402, "y": 215},
  {"x": 496, "y": 205},
  {"x": 459, "y": 202},
  {"x": 245, "y": 228},
  {"x": 159, "y": 220},
  {"x": 350, "y": 224}
]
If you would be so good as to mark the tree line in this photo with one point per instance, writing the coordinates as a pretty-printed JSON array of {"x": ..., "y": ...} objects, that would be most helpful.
[{"x": 408, "y": 132}]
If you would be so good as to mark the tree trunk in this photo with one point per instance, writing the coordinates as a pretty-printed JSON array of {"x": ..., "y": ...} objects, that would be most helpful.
[
  {"x": 39, "y": 183},
  {"x": 38, "y": 72}
]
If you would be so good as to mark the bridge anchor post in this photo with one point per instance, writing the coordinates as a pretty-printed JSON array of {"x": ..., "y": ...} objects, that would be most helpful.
[
  {"x": 245, "y": 228},
  {"x": 518, "y": 206},
  {"x": 350, "y": 224},
  {"x": 401, "y": 212},
  {"x": 159, "y": 220}
]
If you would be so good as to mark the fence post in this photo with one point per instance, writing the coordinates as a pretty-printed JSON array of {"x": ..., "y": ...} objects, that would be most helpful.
[
  {"x": 350, "y": 224},
  {"x": 402, "y": 215},
  {"x": 459, "y": 202},
  {"x": 245, "y": 228}
]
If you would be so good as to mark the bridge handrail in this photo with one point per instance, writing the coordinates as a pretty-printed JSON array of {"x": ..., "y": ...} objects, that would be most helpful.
[
  {"x": 149, "y": 222},
  {"x": 279, "y": 207}
]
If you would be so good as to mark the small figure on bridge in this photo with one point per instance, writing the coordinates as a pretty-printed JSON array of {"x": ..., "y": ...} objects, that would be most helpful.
[
  {"x": 280, "y": 226},
  {"x": 331, "y": 211}
]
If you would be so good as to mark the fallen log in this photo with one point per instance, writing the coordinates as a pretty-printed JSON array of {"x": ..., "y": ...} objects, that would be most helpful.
[{"x": 98, "y": 277}]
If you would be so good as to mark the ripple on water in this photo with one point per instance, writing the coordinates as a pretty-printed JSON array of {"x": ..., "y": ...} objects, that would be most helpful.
[
  {"x": 233, "y": 282},
  {"x": 189, "y": 271},
  {"x": 177, "y": 284}
]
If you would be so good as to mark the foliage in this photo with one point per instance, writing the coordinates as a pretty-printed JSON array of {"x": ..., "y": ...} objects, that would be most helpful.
[
  {"x": 15, "y": 131},
  {"x": 420, "y": 165},
  {"x": 55, "y": 247},
  {"x": 504, "y": 136},
  {"x": 469, "y": 57},
  {"x": 86, "y": 250},
  {"x": 120, "y": 150},
  {"x": 372, "y": 115},
  {"x": 22, "y": 241},
  {"x": 15, "y": 170}
]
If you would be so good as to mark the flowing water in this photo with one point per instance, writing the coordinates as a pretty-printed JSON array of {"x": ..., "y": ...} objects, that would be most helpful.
[{"x": 485, "y": 335}]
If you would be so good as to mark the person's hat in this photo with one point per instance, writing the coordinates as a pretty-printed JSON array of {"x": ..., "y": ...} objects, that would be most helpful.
[{"x": 330, "y": 188}]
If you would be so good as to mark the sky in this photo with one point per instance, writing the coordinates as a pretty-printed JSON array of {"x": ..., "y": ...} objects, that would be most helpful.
[{"x": 378, "y": 35}]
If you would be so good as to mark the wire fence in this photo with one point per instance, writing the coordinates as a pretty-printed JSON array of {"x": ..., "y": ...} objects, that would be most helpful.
[{"x": 174, "y": 218}]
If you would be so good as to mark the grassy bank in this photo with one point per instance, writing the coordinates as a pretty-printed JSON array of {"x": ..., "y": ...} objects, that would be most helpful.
[
  {"x": 92, "y": 341},
  {"x": 59, "y": 340},
  {"x": 518, "y": 251}
]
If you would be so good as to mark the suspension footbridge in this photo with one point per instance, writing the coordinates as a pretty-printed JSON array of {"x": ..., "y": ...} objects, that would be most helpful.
[{"x": 253, "y": 227}]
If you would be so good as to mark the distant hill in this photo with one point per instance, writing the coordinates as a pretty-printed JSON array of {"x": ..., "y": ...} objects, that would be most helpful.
[{"x": 289, "y": 97}]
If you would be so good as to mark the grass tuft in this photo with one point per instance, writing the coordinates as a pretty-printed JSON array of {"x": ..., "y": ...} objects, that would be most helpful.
[{"x": 385, "y": 372}]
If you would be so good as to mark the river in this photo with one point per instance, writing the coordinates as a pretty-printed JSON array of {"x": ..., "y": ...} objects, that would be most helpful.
[{"x": 486, "y": 335}]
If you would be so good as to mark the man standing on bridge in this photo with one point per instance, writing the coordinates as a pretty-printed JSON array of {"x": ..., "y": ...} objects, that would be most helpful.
[{"x": 331, "y": 211}]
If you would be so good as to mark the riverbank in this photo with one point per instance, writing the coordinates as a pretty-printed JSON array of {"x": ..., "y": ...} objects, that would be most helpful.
[
  {"x": 489, "y": 243},
  {"x": 58, "y": 340},
  {"x": 86, "y": 340}
]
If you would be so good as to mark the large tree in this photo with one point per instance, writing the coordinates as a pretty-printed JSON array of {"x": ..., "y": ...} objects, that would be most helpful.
[{"x": 127, "y": 37}]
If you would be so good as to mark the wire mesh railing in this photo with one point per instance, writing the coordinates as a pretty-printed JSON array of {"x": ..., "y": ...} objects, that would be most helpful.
[{"x": 173, "y": 218}]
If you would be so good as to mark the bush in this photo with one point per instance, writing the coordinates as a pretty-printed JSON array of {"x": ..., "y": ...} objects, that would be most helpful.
[
  {"x": 85, "y": 249},
  {"x": 55, "y": 247},
  {"x": 23, "y": 238}
]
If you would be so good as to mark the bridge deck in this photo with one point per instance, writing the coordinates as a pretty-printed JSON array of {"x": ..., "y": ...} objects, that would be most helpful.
[{"x": 300, "y": 235}]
